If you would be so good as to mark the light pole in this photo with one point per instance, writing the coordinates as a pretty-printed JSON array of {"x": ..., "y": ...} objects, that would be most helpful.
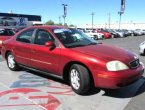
[
  {"x": 92, "y": 20},
  {"x": 109, "y": 19},
  {"x": 120, "y": 13},
  {"x": 59, "y": 18},
  {"x": 65, "y": 11}
]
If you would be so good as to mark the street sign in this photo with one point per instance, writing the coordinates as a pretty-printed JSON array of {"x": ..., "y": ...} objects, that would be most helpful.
[{"x": 122, "y": 5}]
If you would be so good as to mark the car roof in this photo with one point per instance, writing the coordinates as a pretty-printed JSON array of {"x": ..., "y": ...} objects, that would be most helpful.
[
  {"x": 5, "y": 28},
  {"x": 51, "y": 27}
]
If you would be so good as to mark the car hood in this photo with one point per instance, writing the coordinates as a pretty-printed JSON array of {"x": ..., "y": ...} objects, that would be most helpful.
[{"x": 107, "y": 52}]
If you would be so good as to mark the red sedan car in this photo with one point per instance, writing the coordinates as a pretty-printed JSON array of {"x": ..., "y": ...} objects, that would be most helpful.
[
  {"x": 71, "y": 55},
  {"x": 107, "y": 35},
  {"x": 4, "y": 35}
]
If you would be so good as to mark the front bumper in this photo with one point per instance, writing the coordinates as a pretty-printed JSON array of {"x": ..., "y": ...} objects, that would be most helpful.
[{"x": 114, "y": 80}]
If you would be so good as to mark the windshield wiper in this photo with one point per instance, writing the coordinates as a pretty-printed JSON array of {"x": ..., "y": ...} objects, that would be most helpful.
[
  {"x": 80, "y": 45},
  {"x": 92, "y": 43},
  {"x": 75, "y": 46}
]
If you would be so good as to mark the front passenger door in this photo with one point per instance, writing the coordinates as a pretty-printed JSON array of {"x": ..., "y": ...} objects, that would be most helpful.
[{"x": 42, "y": 57}]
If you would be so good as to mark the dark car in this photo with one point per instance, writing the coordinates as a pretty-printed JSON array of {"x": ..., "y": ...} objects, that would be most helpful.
[{"x": 4, "y": 35}]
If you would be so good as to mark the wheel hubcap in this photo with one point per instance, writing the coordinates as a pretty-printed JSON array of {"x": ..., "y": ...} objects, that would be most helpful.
[
  {"x": 11, "y": 62},
  {"x": 75, "y": 80}
]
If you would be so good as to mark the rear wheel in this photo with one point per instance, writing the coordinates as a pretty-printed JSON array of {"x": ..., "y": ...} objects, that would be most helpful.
[
  {"x": 11, "y": 62},
  {"x": 144, "y": 52},
  {"x": 95, "y": 37},
  {"x": 103, "y": 37},
  {"x": 79, "y": 79}
]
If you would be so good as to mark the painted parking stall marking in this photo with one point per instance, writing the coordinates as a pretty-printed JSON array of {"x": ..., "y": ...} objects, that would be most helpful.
[
  {"x": 37, "y": 98},
  {"x": 29, "y": 86},
  {"x": 49, "y": 86},
  {"x": 24, "y": 90}
]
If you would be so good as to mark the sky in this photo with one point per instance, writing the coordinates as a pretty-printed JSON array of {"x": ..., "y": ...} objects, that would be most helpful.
[{"x": 78, "y": 11}]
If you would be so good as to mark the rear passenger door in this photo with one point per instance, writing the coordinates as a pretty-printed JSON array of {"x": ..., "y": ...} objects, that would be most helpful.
[{"x": 22, "y": 47}]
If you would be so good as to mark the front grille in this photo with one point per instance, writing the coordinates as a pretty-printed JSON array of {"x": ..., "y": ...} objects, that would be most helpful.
[{"x": 135, "y": 63}]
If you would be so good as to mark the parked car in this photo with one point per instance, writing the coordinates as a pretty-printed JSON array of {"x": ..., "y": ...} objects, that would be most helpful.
[
  {"x": 107, "y": 35},
  {"x": 71, "y": 55},
  {"x": 94, "y": 35},
  {"x": 142, "y": 48},
  {"x": 113, "y": 34},
  {"x": 143, "y": 32},
  {"x": 4, "y": 35},
  {"x": 90, "y": 34},
  {"x": 126, "y": 32},
  {"x": 138, "y": 32},
  {"x": 119, "y": 33}
]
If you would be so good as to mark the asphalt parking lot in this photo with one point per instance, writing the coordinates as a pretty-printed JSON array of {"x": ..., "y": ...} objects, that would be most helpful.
[
  {"x": 29, "y": 90},
  {"x": 132, "y": 43}
]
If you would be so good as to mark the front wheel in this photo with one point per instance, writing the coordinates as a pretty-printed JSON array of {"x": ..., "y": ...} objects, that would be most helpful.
[
  {"x": 11, "y": 62},
  {"x": 143, "y": 53},
  {"x": 79, "y": 79}
]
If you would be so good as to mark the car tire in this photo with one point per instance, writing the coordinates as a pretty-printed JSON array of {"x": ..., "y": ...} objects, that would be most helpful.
[
  {"x": 79, "y": 79},
  {"x": 95, "y": 37},
  {"x": 11, "y": 63},
  {"x": 144, "y": 53},
  {"x": 103, "y": 38}
]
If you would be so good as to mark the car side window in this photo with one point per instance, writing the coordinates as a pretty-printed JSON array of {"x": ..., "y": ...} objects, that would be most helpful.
[
  {"x": 42, "y": 36},
  {"x": 4, "y": 32},
  {"x": 25, "y": 36}
]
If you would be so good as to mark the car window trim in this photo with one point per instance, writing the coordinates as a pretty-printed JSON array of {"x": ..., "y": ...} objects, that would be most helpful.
[
  {"x": 22, "y": 33},
  {"x": 35, "y": 32}
]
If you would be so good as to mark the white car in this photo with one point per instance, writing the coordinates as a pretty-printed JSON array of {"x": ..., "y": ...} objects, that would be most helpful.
[
  {"x": 142, "y": 48},
  {"x": 94, "y": 35}
]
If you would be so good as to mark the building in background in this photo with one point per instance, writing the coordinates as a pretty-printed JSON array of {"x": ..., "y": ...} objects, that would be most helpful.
[
  {"x": 11, "y": 20},
  {"x": 129, "y": 26}
]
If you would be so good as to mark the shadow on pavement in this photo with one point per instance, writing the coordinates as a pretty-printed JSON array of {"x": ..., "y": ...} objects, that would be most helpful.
[
  {"x": 46, "y": 76},
  {"x": 142, "y": 88},
  {"x": 130, "y": 91}
]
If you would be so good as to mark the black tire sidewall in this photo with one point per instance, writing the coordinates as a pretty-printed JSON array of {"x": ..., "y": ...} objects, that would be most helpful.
[{"x": 84, "y": 79}]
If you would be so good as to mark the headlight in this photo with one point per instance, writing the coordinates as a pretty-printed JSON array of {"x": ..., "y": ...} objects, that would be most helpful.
[
  {"x": 116, "y": 66},
  {"x": 0, "y": 41}
]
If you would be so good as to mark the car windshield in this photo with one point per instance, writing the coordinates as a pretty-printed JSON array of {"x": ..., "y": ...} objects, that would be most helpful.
[
  {"x": 6, "y": 32},
  {"x": 73, "y": 38}
]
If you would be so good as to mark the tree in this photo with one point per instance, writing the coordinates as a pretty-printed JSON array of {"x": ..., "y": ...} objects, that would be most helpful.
[
  {"x": 60, "y": 24},
  {"x": 71, "y": 25},
  {"x": 50, "y": 22}
]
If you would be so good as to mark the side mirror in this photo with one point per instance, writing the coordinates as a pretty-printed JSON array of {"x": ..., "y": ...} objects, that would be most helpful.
[{"x": 50, "y": 44}]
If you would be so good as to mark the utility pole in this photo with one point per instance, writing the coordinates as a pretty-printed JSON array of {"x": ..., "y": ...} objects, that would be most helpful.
[
  {"x": 92, "y": 14},
  {"x": 120, "y": 13},
  {"x": 109, "y": 19},
  {"x": 65, "y": 11},
  {"x": 59, "y": 18}
]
